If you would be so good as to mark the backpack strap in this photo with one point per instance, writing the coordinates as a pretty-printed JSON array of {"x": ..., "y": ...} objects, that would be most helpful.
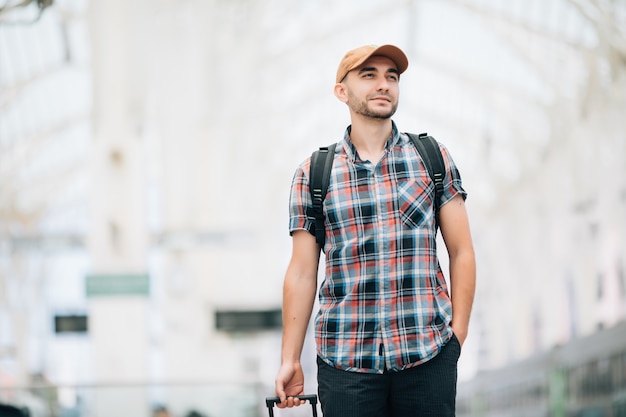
[
  {"x": 319, "y": 180},
  {"x": 428, "y": 149}
]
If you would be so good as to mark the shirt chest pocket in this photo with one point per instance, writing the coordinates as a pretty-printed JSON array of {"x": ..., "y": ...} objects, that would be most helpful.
[{"x": 415, "y": 202}]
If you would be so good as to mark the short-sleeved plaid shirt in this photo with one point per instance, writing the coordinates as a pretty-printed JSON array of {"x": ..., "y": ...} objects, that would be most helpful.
[{"x": 384, "y": 302}]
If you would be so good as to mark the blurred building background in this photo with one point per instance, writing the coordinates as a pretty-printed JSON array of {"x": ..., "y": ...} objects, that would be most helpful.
[{"x": 146, "y": 154}]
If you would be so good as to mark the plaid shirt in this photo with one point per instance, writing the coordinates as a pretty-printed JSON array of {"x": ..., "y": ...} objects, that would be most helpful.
[{"x": 384, "y": 302}]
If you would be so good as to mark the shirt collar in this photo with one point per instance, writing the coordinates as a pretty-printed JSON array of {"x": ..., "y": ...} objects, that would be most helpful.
[{"x": 393, "y": 140}]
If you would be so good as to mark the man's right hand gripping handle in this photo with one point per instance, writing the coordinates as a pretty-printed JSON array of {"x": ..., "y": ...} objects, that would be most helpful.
[{"x": 289, "y": 385}]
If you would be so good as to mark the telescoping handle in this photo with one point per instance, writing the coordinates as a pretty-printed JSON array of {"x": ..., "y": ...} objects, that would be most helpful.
[{"x": 312, "y": 399}]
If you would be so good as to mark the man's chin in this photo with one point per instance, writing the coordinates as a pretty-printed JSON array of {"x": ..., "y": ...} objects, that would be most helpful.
[{"x": 381, "y": 116}]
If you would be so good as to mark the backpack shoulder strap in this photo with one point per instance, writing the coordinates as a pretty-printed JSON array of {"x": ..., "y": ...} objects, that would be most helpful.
[
  {"x": 319, "y": 180},
  {"x": 428, "y": 149}
]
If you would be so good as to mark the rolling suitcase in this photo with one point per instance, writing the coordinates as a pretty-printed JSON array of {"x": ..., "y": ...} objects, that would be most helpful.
[{"x": 312, "y": 399}]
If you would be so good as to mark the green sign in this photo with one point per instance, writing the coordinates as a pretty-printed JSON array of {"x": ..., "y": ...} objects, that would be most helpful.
[{"x": 117, "y": 284}]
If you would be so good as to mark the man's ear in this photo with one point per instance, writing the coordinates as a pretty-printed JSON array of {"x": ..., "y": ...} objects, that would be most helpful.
[{"x": 341, "y": 92}]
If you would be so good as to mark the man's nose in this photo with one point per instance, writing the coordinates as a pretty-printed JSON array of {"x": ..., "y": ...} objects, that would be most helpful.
[{"x": 383, "y": 84}]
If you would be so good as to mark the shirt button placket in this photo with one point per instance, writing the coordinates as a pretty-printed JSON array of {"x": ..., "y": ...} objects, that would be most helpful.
[{"x": 382, "y": 242}]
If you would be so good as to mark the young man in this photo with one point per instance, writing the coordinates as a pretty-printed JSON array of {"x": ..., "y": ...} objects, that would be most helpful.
[{"x": 388, "y": 332}]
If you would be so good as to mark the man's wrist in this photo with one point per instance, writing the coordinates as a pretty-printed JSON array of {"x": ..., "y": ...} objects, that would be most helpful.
[{"x": 290, "y": 359}]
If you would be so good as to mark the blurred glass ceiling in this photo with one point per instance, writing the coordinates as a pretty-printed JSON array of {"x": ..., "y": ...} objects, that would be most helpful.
[{"x": 497, "y": 66}]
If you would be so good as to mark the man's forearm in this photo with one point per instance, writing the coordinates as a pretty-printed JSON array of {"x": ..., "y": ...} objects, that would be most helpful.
[
  {"x": 463, "y": 287},
  {"x": 298, "y": 298}
]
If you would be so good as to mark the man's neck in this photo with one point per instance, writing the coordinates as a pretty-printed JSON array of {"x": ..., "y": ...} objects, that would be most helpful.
[{"x": 369, "y": 137}]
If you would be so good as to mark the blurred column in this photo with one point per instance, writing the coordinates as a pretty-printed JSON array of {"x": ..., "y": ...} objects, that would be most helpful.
[{"x": 119, "y": 285}]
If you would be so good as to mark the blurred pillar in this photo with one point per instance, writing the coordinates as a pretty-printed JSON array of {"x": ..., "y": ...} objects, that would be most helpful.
[{"x": 118, "y": 235}]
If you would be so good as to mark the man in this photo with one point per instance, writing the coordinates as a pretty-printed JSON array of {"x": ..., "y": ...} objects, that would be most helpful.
[{"x": 388, "y": 333}]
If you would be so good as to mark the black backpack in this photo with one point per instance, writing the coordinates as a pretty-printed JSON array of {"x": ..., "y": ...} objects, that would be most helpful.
[{"x": 322, "y": 164}]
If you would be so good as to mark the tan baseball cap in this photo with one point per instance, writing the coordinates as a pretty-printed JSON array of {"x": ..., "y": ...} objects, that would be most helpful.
[{"x": 356, "y": 57}]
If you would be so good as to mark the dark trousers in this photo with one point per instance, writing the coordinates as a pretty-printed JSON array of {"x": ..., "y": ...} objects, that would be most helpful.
[{"x": 427, "y": 390}]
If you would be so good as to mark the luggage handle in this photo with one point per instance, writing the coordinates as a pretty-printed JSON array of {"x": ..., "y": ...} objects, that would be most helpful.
[{"x": 271, "y": 401}]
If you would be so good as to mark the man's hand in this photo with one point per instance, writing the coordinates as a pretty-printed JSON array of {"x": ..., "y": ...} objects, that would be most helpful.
[
  {"x": 289, "y": 383},
  {"x": 460, "y": 333}
]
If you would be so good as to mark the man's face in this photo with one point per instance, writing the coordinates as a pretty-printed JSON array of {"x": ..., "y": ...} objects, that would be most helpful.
[{"x": 373, "y": 88}]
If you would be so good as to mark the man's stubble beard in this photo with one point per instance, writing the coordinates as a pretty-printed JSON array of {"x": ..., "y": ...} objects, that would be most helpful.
[{"x": 361, "y": 107}]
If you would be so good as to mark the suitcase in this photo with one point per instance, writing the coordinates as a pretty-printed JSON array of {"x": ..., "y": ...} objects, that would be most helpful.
[{"x": 312, "y": 399}]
